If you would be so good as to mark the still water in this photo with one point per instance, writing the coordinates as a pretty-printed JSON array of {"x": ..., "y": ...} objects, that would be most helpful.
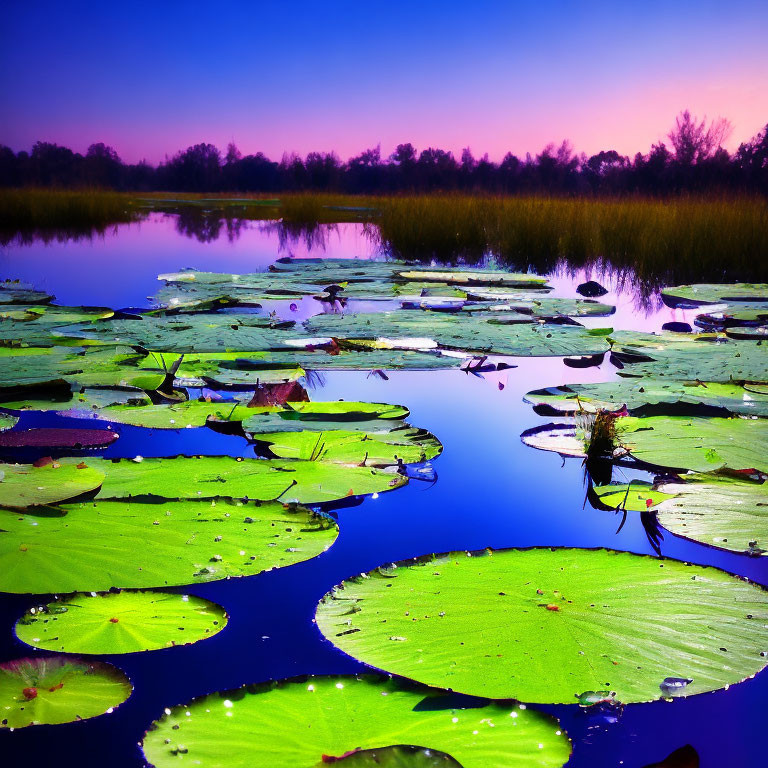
[{"x": 490, "y": 491}]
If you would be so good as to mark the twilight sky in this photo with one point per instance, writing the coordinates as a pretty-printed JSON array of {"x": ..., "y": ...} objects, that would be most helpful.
[{"x": 150, "y": 78}]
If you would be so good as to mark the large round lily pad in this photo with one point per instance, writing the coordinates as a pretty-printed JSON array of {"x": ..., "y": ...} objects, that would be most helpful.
[
  {"x": 153, "y": 545},
  {"x": 121, "y": 622},
  {"x": 303, "y": 724},
  {"x": 27, "y": 485},
  {"x": 547, "y": 625},
  {"x": 698, "y": 444},
  {"x": 305, "y": 482},
  {"x": 58, "y": 689}
]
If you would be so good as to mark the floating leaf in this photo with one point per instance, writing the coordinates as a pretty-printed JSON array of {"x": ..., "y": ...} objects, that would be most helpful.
[
  {"x": 699, "y": 444},
  {"x": 305, "y": 482},
  {"x": 303, "y": 724},
  {"x": 690, "y": 357},
  {"x": 61, "y": 367},
  {"x": 473, "y": 277},
  {"x": 722, "y": 511},
  {"x": 7, "y": 421},
  {"x": 38, "y": 325},
  {"x": 122, "y": 622},
  {"x": 638, "y": 394},
  {"x": 198, "y": 333},
  {"x": 57, "y": 437},
  {"x": 565, "y": 439},
  {"x": 545, "y": 625},
  {"x": 714, "y": 293},
  {"x": 463, "y": 332},
  {"x": 637, "y": 496},
  {"x": 53, "y": 689},
  {"x": 16, "y": 292},
  {"x": 197, "y": 413},
  {"x": 405, "y": 445},
  {"x": 27, "y": 485},
  {"x": 153, "y": 545}
]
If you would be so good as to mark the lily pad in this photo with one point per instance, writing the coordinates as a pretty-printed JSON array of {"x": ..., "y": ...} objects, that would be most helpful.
[
  {"x": 744, "y": 314},
  {"x": 547, "y": 625},
  {"x": 637, "y": 496},
  {"x": 16, "y": 292},
  {"x": 27, "y": 485},
  {"x": 690, "y": 357},
  {"x": 197, "y": 413},
  {"x": 405, "y": 445},
  {"x": 58, "y": 438},
  {"x": 699, "y": 444},
  {"x": 122, "y": 622},
  {"x": 37, "y": 325},
  {"x": 714, "y": 293},
  {"x": 473, "y": 277},
  {"x": 63, "y": 367},
  {"x": 304, "y": 482},
  {"x": 718, "y": 510},
  {"x": 398, "y": 757},
  {"x": 546, "y": 307},
  {"x": 565, "y": 439},
  {"x": 87, "y": 400},
  {"x": 153, "y": 545},
  {"x": 638, "y": 394},
  {"x": 188, "y": 333},
  {"x": 463, "y": 332},
  {"x": 7, "y": 421},
  {"x": 303, "y": 724},
  {"x": 49, "y": 690}
]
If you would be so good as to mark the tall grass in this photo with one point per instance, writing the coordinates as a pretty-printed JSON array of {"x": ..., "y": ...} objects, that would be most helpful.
[
  {"x": 50, "y": 213},
  {"x": 693, "y": 239},
  {"x": 680, "y": 239}
]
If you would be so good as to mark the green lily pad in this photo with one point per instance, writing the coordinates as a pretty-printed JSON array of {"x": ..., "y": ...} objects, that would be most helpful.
[
  {"x": 547, "y": 625},
  {"x": 26, "y": 485},
  {"x": 7, "y": 421},
  {"x": 718, "y": 510},
  {"x": 62, "y": 367},
  {"x": 197, "y": 413},
  {"x": 565, "y": 439},
  {"x": 715, "y": 293},
  {"x": 545, "y": 307},
  {"x": 405, "y": 445},
  {"x": 637, "y": 496},
  {"x": 87, "y": 400},
  {"x": 16, "y": 292},
  {"x": 752, "y": 333},
  {"x": 201, "y": 369},
  {"x": 637, "y": 394},
  {"x": 691, "y": 357},
  {"x": 699, "y": 444},
  {"x": 37, "y": 325},
  {"x": 462, "y": 332},
  {"x": 153, "y": 545},
  {"x": 49, "y": 690},
  {"x": 303, "y": 724},
  {"x": 188, "y": 333},
  {"x": 122, "y": 622},
  {"x": 305, "y": 482},
  {"x": 473, "y": 277},
  {"x": 743, "y": 313}
]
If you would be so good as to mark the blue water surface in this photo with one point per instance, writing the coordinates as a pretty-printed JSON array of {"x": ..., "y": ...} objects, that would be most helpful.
[{"x": 490, "y": 491}]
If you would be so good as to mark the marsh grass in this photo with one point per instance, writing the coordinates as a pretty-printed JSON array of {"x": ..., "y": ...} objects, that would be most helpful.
[
  {"x": 58, "y": 214},
  {"x": 650, "y": 241},
  {"x": 696, "y": 239}
]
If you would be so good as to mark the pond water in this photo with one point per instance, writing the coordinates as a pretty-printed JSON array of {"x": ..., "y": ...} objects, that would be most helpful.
[{"x": 490, "y": 491}]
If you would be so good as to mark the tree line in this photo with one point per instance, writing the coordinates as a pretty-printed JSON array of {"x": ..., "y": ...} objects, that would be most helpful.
[{"x": 694, "y": 160}]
